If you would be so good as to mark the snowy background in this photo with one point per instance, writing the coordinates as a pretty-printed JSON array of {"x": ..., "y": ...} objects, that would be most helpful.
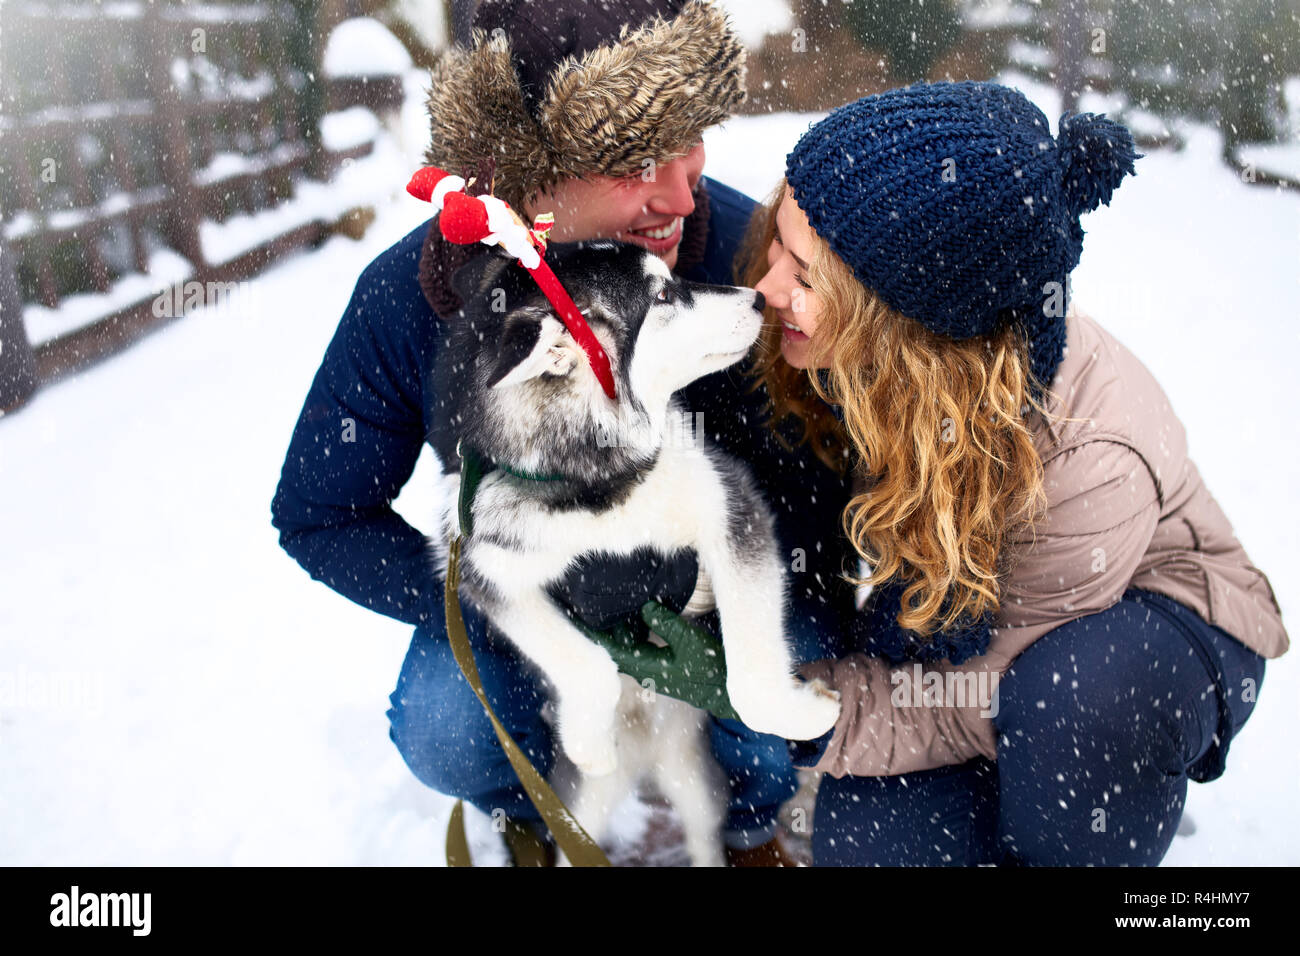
[{"x": 180, "y": 692}]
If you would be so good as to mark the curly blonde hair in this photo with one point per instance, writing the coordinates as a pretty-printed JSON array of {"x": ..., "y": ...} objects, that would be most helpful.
[{"x": 938, "y": 427}]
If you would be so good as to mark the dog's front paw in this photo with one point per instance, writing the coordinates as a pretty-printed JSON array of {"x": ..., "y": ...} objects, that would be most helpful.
[
  {"x": 794, "y": 710},
  {"x": 594, "y": 754}
]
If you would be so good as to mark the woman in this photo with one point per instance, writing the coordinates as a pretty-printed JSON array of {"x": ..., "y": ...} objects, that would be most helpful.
[{"x": 1062, "y": 627}]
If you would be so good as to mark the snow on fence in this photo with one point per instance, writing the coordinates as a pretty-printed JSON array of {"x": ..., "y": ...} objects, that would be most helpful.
[{"x": 146, "y": 142}]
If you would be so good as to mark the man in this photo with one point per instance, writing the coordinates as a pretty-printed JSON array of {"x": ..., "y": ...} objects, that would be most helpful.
[{"x": 609, "y": 140}]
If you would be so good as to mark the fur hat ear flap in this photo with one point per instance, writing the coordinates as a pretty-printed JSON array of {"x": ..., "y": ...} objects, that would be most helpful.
[{"x": 534, "y": 343}]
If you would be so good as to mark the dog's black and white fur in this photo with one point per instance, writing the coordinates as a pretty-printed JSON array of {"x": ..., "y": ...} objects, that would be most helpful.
[{"x": 520, "y": 390}]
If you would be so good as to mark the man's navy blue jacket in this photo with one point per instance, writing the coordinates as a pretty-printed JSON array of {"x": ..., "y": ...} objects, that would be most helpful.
[{"x": 333, "y": 504}]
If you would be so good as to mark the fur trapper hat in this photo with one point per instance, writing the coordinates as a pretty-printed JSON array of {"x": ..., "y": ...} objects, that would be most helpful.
[{"x": 559, "y": 90}]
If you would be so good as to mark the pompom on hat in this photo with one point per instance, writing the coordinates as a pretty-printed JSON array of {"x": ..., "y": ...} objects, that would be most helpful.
[{"x": 954, "y": 204}]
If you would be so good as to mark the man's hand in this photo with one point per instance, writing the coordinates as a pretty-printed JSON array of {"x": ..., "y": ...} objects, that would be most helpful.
[{"x": 691, "y": 668}]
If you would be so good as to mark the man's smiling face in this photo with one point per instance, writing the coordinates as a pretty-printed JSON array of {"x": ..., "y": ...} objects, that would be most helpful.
[{"x": 645, "y": 209}]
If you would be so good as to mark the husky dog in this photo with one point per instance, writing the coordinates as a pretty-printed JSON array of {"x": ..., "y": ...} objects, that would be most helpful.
[{"x": 578, "y": 473}]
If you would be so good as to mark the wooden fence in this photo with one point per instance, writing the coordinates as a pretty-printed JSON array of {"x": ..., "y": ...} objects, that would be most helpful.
[{"x": 127, "y": 126}]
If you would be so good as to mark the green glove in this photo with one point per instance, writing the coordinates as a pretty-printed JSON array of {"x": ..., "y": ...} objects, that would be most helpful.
[{"x": 691, "y": 668}]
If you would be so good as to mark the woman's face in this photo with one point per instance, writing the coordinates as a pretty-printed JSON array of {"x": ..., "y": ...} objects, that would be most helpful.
[{"x": 786, "y": 285}]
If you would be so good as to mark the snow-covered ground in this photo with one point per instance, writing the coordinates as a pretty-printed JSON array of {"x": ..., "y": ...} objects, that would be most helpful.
[{"x": 174, "y": 689}]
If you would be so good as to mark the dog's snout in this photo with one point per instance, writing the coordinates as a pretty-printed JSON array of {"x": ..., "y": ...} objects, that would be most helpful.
[{"x": 760, "y": 303}]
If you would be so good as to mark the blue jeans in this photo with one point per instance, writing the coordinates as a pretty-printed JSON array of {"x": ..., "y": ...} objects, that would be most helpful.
[
  {"x": 1101, "y": 723},
  {"x": 445, "y": 737}
]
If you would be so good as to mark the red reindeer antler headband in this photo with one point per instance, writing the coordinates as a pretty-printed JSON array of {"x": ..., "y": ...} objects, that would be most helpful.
[{"x": 487, "y": 219}]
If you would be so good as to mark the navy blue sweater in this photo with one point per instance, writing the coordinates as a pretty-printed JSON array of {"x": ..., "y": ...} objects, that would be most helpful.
[{"x": 333, "y": 503}]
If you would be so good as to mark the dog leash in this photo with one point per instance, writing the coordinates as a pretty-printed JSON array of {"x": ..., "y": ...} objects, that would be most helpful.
[
  {"x": 576, "y": 843},
  {"x": 468, "y": 219}
]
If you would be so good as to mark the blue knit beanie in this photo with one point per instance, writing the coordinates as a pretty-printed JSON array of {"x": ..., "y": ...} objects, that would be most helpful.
[{"x": 952, "y": 202}]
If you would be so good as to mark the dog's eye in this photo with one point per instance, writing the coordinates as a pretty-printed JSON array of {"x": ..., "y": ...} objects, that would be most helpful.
[{"x": 664, "y": 295}]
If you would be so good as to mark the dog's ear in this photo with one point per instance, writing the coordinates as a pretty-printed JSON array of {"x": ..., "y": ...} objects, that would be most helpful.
[
  {"x": 534, "y": 343},
  {"x": 481, "y": 273}
]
